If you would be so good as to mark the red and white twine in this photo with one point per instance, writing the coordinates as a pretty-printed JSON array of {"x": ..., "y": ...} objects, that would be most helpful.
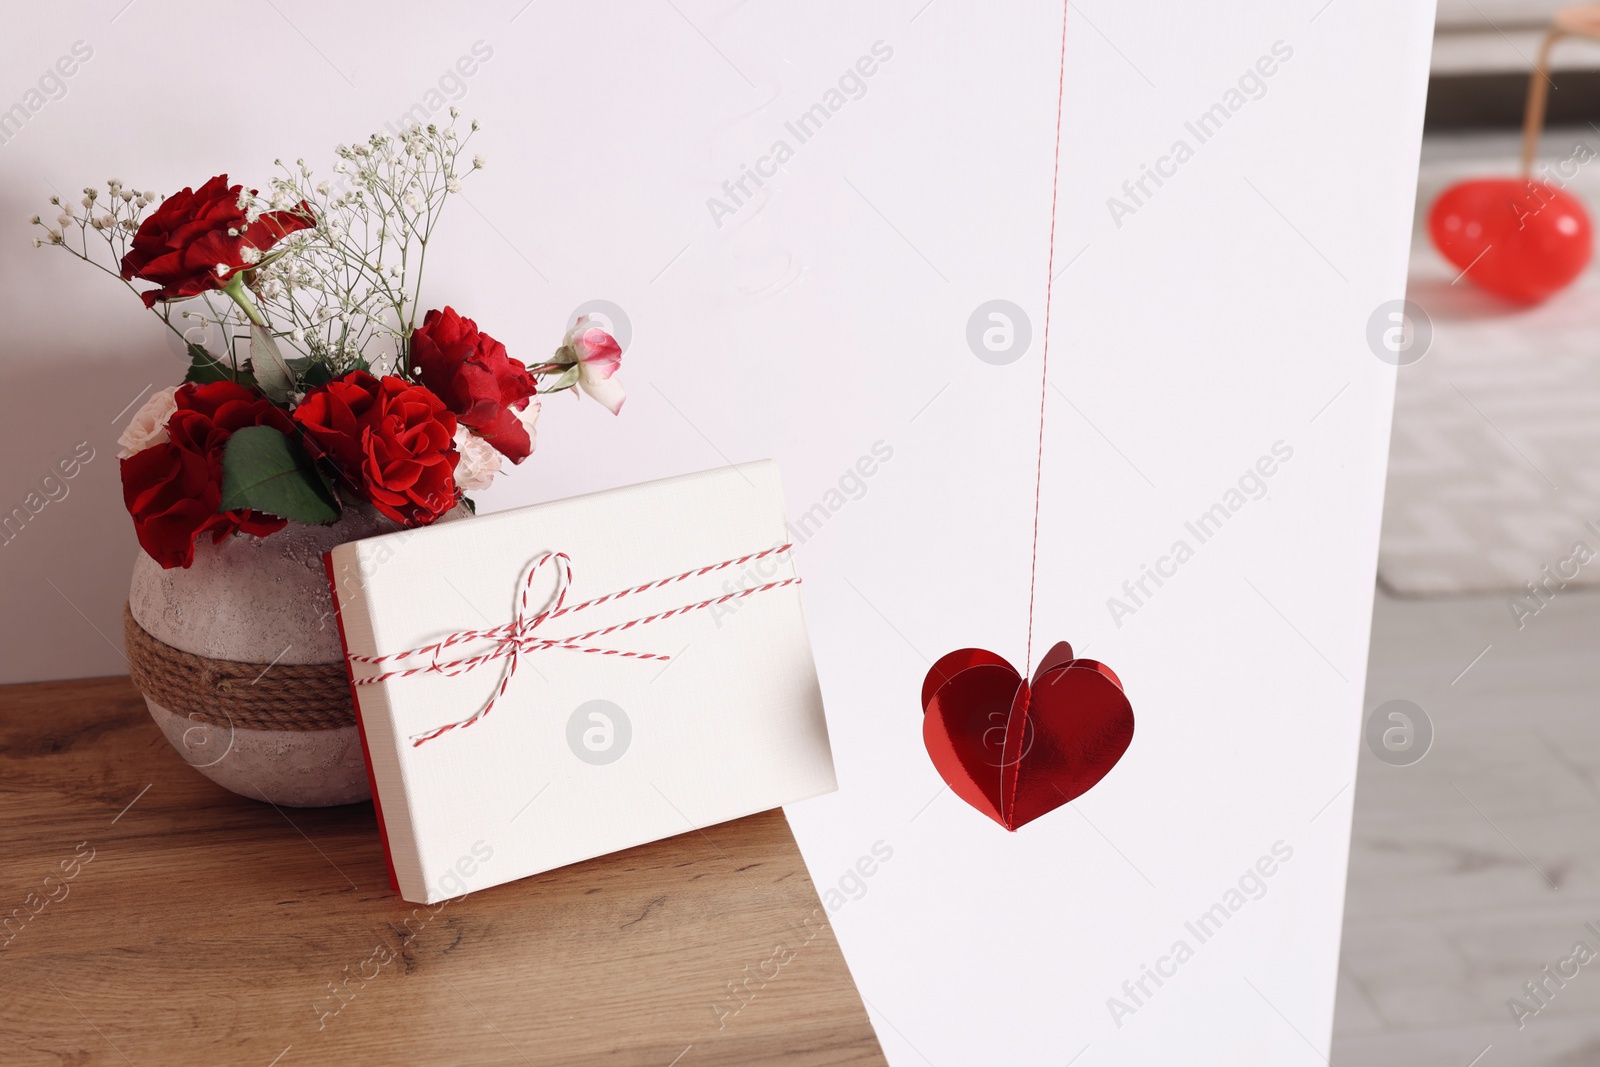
[{"x": 517, "y": 636}]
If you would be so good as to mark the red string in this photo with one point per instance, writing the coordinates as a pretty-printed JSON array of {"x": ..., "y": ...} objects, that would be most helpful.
[
  {"x": 518, "y": 637},
  {"x": 1044, "y": 361}
]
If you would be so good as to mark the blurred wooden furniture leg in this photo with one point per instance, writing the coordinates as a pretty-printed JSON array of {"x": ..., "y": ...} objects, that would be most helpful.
[{"x": 1581, "y": 21}]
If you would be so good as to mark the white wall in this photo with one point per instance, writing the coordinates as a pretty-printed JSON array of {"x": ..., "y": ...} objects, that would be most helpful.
[
  {"x": 1504, "y": 36},
  {"x": 1487, "y": 14},
  {"x": 1228, "y": 313}
]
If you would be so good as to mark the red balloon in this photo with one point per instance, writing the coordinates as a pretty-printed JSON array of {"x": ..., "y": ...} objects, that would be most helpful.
[{"x": 1520, "y": 239}]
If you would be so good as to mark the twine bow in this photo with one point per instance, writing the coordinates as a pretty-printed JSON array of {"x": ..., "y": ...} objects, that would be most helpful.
[{"x": 518, "y": 637}]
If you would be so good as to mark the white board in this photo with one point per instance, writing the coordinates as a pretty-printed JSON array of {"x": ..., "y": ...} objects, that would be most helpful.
[{"x": 825, "y": 320}]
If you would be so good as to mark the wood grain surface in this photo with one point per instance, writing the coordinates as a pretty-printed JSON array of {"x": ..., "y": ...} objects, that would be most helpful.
[{"x": 153, "y": 918}]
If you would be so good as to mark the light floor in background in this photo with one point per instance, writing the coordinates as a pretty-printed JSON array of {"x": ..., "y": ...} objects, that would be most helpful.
[
  {"x": 1473, "y": 869},
  {"x": 1493, "y": 470}
]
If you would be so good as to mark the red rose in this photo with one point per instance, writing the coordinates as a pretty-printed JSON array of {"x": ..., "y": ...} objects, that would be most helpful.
[
  {"x": 193, "y": 233},
  {"x": 473, "y": 375},
  {"x": 173, "y": 489},
  {"x": 391, "y": 439}
]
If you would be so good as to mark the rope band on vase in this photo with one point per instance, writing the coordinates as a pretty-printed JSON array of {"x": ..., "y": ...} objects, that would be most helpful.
[{"x": 222, "y": 692}]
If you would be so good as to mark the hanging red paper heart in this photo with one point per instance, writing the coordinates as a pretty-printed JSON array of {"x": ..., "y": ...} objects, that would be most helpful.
[
  {"x": 1011, "y": 749},
  {"x": 1520, "y": 239},
  {"x": 1017, "y": 751}
]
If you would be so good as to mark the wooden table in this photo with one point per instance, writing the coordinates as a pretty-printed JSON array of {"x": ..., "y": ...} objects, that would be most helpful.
[{"x": 152, "y": 918}]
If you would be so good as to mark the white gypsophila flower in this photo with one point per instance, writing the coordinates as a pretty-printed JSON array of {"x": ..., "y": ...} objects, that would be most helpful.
[
  {"x": 64, "y": 220},
  {"x": 249, "y": 254},
  {"x": 149, "y": 425},
  {"x": 479, "y": 462},
  {"x": 413, "y": 200},
  {"x": 53, "y": 236},
  {"x": 297, "y": 335},
  {"x": 478, "y": 162},
  {"x": 222, "y": 269},
  {"x": 452, "y": 184}
]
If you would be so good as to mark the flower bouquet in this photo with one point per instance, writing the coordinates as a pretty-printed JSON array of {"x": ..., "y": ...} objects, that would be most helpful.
[{"x": 319, "y": 405}]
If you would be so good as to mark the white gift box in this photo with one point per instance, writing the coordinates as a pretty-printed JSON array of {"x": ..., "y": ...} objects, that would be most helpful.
[{"x": 601, "y": 735}]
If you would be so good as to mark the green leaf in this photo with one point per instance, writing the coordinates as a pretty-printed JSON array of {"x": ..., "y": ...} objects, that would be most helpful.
[
  {"x": 264, "y": 470},
  {"x": 271, "y": 371},
  {"x": 204, "y": 367},
  {"x": 310, "y": 372},
  {"x": 565, "y": 380}
]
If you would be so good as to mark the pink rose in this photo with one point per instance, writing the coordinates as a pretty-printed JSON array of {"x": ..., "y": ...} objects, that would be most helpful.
[{"x": 599, "y": 356}]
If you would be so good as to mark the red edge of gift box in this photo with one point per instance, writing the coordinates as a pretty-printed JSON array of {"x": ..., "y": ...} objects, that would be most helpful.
[{"x": 366, "y": 750}]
